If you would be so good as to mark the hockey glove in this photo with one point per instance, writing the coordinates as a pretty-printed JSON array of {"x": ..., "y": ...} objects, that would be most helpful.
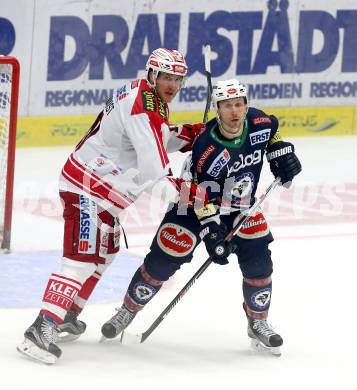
[
  {"x": 214, "y": 236},
  {"x": 283, "y": 161}
]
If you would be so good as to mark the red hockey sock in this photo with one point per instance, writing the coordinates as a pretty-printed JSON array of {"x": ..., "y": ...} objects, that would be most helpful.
[{"x": 59, "y": 295}]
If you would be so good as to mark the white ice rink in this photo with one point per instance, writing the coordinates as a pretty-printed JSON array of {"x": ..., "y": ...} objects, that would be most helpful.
[{"x": 202, "y": 343}]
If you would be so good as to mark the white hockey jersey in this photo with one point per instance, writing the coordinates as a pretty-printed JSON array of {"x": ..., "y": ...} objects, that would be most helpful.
[{"x": 125, "y": 151}]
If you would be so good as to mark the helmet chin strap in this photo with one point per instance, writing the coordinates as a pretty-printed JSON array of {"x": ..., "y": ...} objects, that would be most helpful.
[{"x": 154, "y": 74}]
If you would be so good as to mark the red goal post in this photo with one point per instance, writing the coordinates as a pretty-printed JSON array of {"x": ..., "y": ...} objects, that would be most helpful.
[{"x": 9, "y": 93}]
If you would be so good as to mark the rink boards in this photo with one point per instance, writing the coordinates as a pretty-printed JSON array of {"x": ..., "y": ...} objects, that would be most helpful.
[{"x": 299, "y": 121}]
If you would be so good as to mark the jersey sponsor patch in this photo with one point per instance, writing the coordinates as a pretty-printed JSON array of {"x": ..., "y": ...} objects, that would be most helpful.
[
  {"x": 255, "y": 227},
  {"x": 87, "y": 226},
  {"x": 121, "y": 93},
  {"x": 261, "y": 120},
  {"x": 204, "y": 157},
  {"x": 162, "y": 109},
  {"x": 176, "y": 240},
  {"x": 149, "y": 102},
  {"x": 260, "y": 137},
  {"x": 244, "y": 161},
  {"x": 219, "y": 162},
  {"x": 134, "y": 84}
]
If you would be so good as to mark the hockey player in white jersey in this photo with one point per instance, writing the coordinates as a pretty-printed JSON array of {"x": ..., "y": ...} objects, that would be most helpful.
[{"x": 123, "y": 154}]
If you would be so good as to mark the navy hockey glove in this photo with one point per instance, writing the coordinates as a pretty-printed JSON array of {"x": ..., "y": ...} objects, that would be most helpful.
[
  {"x": 214, "y": 238},
  {"x": 283, "y": 161}
]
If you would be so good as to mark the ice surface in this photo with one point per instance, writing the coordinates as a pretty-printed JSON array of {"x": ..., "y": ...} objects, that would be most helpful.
[{"x": 203, "y": 342}]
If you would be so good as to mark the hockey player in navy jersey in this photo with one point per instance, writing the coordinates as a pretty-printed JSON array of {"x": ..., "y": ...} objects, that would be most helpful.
[{"x": 227, "y": 159}]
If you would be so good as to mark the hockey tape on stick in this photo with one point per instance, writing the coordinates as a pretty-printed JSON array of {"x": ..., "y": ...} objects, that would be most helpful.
[{"x": 127, "y": 338}]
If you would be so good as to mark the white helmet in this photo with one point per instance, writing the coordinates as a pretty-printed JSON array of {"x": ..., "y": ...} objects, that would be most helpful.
[
  {"x": 167, "y": 61},
  {"x": 228, "y": 89}
]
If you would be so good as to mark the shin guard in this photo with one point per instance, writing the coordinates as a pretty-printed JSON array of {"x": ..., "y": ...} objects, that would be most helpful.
[
  {"x": 141, "y": 290},
  {"x": 257, "y": 296}
]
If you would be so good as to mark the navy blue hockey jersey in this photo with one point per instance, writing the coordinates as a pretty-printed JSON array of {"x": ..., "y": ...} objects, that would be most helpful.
[{"x": 230, "y": 169}]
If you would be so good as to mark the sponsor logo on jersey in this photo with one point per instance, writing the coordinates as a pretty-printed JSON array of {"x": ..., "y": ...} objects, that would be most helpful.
[
  {"x": 261, "y": 299},
  {"x": 176, "y": 240},
  {"x": 162, "y": 109},
  {"x": 261, "y": 119},
  {"x": 134, "y": 84},
  {"x": 149, "y": 101},
  {"x": 204, "y": 157},
  {"x": 121, "y": 93},
  {"x": 87, "y": 226},
  {"x": 219, "y": 162},
  {"x": 255, "y": 227},
  {"x": 259, "y": 137},
  {"x": 245, "y": 161},
  {"x": 150, "y": 104}
]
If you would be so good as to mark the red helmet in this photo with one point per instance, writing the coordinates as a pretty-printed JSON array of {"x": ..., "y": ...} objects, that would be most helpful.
[{"x": 167, "y": 61}]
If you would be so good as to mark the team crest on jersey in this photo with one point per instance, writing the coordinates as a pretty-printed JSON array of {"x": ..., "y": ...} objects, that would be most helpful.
[
  {"x": 261, "y": 119},
  {"x": 243, "y": 187},
  {"x": 87, "y": 226},
  {"x": 219, "y": 162},
  {"x": 176, "y": 240},
  {"x": 260, "y": 137}
]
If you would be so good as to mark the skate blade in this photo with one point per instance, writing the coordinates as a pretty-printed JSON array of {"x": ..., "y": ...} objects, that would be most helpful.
[
  {"x": 130, "y": 338},
  {"x": 31, "y": 350},
  {"x": 65, "y": 337},
  {"x": 261, "y": 348}
]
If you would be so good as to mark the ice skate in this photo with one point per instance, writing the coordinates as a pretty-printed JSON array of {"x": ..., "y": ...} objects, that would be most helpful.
[
  {"x": 117, "y": 323},
  {"x": 71, "y": 328},
  {"x": 263, "y": 337},
  {"x": 39, "y": 343}
]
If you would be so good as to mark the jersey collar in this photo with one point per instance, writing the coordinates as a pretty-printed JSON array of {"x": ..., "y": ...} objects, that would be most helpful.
[{"x": 231, "y": 143}]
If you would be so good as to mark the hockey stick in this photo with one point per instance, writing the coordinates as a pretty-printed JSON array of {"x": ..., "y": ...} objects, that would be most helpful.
[
  {"x": 128, "y": 338},
  {"x": 207, "y": 53}
]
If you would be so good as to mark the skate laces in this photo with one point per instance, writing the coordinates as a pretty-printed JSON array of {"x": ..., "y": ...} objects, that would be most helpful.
[
  {"x": 262, "y": 327},
  {"x": 48, "y": 330},
  {"x": 122, "y": 318}
]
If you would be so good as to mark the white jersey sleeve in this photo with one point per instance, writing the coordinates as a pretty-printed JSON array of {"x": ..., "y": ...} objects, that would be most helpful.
[{"x": 125, "y": 151}]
